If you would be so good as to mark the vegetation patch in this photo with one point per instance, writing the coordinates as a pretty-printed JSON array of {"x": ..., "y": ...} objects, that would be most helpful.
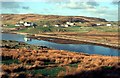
[
  {"x": 73, "y": 65},
  {"x": 10, "y": 61},
  {"x": 47, "y": 71}
]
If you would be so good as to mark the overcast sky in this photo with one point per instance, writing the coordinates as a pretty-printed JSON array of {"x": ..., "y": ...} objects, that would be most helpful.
[{"x": 107, "y": 9}]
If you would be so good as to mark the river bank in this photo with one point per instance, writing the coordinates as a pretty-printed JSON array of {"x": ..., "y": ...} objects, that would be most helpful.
[
  {"x": 39, "y": 61},
  {"x": 69, "y": 39}
]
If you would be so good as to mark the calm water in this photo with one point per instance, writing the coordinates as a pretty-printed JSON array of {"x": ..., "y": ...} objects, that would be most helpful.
[{"x": 85, "y": 48}]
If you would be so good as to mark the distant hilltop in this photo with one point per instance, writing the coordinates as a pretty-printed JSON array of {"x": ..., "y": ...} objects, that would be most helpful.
[{"x": 13, "y": 18}]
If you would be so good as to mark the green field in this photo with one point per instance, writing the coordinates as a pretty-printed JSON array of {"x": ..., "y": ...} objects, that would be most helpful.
[
  {"x": 40, "y": 29},
  {"x": 79, "y": 29}
]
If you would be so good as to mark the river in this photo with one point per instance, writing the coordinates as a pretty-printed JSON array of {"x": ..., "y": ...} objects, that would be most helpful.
[{"x": 84, "y": 48}]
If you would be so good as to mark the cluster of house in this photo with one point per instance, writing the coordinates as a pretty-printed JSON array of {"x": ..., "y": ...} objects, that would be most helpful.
[
  {"x": 70, "y": 24},
  {"x": 26, "y": 24},
  {"x": 67, "y": 24},
  {"x": 98, "y": 24}
]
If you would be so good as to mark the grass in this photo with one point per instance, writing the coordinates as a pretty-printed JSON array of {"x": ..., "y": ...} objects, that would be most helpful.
[
  {"x": 107, "y": 67},
  {"x": 11, "y": 26},
  {"x": 41, "y": 29},
  {"x": 106, "y": 29},
  {"x": 47, "y": 63},
  {"x": 73, "y": 65},
  {"x": 10, "y": 61},
  {"x": 47, "y": 71}
]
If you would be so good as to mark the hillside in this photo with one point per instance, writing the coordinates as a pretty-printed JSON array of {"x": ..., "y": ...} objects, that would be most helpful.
[
  {"x": 29, "y": 61},
  {"x": 13, "y": 18}
]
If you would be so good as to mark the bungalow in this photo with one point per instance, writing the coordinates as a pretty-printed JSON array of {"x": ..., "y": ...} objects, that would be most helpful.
[
  {"x": 45, "y": 26},
  {"x": 98, "y": 24},
  {"x": 66, "y": 25},
  {"x": 57, "y": 25},
  {"x": 70, "y": 23},
  {"x": 27, "y": 24},
  {"x": 67, "y": 22},
  {"x": 108, "y": 24}
]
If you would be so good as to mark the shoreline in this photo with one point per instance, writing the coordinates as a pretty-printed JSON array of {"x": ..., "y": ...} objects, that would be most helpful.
[{"x": 62, "y": 40}]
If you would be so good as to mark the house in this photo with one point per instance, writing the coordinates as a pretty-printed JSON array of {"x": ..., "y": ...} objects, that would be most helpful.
[
  {"x": 57, "y": 25},
  {"x": 45, "y": 26},
  {"x": 67, "y": 22},
  {"x": 27, "y": 24},
  {"x": 98, "y": 24},
  {"x": 66, "y": 25},
  {"x": 108, "y": 24},
  {"x": 70, "y": 23}
]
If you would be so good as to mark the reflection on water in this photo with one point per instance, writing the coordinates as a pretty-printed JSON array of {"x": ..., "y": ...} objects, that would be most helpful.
[{"x": 86, "y": 48}]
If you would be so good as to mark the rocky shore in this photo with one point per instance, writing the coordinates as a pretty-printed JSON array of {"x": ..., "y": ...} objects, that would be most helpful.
[{"x": 29, "y": 61}]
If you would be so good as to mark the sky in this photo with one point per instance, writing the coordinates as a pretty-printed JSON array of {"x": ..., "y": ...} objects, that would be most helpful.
[{"x": 92, "y": 8}]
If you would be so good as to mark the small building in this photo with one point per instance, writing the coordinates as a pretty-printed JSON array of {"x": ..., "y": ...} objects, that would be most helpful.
[
  {"x": 66, "y": 25},
  {"x": 70, "y": 23},
  {"x": 98, "y": 24},
  {"x": 57, "y": 25},
  {"x": 67, "y": 22},
  {"x": 108, "y": 24},
  {"x": 27, "y": 24},
  {"x": 45, "y": 26}
]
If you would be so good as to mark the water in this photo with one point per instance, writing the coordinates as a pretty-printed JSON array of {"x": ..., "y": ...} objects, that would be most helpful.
[{"x": 85, "y": 48}]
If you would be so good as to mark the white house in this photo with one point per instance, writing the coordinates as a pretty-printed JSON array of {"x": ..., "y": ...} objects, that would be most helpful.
[
  {"x": 44, "y": 25},
  {"x": 98, "y": 24},
  {"x": 57, "y": 25},
  {"x": 27, "y": 24},
  {"x": 108, "y": 24},
  {"x": 67, "y": 22},
  {"x": 66, "y": 25},
  {"x": 71, "y": 24}
]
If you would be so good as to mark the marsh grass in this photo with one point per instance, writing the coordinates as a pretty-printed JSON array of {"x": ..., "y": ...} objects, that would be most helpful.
[
  {"x": 47, "y": 71},
  {"x": 10, "y": 61},
  {"x": 73, "y": 65}
]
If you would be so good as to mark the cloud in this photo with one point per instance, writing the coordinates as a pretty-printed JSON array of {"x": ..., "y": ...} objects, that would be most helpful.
[
  {"x": 73, "y": 4},
  {"x": 93, "y": 3},
  {"x": 76, "y": 5},
  {"x": 25, "y": 7},
  {"x": 10, "y": 5},
  {"x": 13, "y": 6},
  {"x": 115, "y": 2}
]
